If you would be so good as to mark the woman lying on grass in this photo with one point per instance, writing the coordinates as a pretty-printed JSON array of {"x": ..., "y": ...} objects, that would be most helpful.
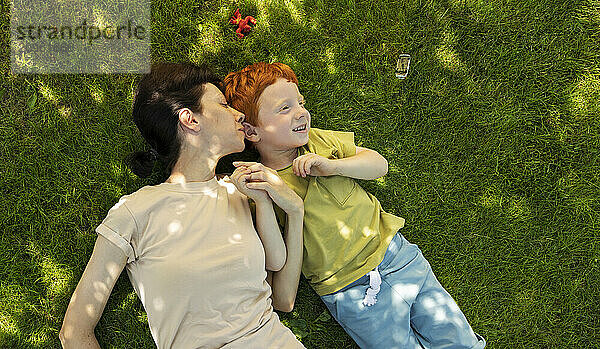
[{"x": 191, "y": 250}]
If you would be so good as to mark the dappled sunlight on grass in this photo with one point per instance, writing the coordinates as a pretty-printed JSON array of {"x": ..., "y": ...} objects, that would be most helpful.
[
  {"x": 585, "y": 97},
  {"x": 381, "y": 181},
  {"x": 581, "y": 191},
  {"x": 263, "y": 13},
  {"x": 210, "y": 39},
  {"x": 288, "y": 59},
  {"x": 53, "y": 96},
  {"x": 513, "y": 206},
  {"x": 11, "y": 312},
  {"x": 129, "y": 301},
  {"x": 56, "y": 277},
  {"x": 39, "y": 337},
  {"x": 65, "y": 111},
  {"x": 96, "y": 93},
  {"x": 8, "y": 325},
  {"x": 447, "y": 55},
  {"x": 17, "y": 318},
  {"x": 328, "y": 59},
  {"x": 296, "y": 9},
  {"x": 48, "y": 93}
]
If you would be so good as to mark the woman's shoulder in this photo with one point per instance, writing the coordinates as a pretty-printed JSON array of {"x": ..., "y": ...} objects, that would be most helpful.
[
  {"x": 146, "y": 191},
  {"x": 140, "y": 197}
]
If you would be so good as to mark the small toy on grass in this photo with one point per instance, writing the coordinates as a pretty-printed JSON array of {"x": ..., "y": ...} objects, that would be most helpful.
[{"x": 243, "y": 24}]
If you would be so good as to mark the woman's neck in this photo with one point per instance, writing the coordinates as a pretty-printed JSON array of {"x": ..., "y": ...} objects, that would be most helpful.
[{"x": 194, "y": 168}]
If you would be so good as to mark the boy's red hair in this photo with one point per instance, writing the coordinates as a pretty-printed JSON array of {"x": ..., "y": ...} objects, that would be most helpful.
[{"x": 244, "y": 87}]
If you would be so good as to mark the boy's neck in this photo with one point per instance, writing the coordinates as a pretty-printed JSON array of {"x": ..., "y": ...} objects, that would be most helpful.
[{"x": 277, "y": 159}]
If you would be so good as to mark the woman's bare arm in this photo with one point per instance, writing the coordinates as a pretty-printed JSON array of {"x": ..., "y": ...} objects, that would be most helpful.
[
  {"x": 270, "y": 235},
  {"x": 284, "y": 280},
  {"x": 284, "y": 283},
  {"x": 266, "y": 223},
  {"x": 91, "y": 294}
]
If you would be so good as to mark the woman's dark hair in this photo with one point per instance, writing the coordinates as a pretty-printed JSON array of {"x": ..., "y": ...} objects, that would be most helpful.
[{"x": 160, "y": 94}]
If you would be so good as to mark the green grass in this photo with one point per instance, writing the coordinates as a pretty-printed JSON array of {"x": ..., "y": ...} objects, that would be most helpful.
[{"x": 493, "y": 144}]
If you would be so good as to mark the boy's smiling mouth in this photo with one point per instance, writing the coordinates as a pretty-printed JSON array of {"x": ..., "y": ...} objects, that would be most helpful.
[{"x": 301, "y": 128}]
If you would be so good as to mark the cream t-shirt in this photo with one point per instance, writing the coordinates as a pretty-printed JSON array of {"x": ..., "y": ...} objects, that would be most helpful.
[{"x": 197, "y": 265}]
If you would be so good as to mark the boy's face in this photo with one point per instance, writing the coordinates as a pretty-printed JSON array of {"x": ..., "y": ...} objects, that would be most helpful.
[{"x": 283, "y": 122}]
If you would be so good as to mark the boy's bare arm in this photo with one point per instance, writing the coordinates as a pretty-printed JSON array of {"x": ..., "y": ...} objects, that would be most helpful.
[{"x": 366, "y": 164}]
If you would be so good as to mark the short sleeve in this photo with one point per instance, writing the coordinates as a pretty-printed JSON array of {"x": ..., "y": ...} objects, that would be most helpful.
[
  {"x": 346, "y": 143},
  {"x": 339, "y": 144},
  {"x": 118, "y": 227}
]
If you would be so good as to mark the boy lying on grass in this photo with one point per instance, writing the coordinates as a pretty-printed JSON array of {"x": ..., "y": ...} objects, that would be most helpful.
[{"x": 375, "y": 283}]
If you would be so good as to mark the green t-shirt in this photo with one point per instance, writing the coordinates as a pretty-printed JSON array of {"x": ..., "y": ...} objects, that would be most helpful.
[{"x": 346, "y": 232}]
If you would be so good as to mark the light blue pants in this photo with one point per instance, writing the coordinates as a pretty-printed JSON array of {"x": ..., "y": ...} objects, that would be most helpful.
[{"x": 412, "y": 309}]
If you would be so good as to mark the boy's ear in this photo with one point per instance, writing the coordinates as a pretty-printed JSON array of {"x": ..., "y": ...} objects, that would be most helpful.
[
  {"x": 251, "y": 132},
  {"x": 189, "y": 119}
]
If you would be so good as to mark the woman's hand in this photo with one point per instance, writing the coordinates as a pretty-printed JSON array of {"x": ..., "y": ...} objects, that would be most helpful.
[
  {"x": 240, "y": 179},
  {"x": 314, "y": 165},
  {"x": 266, "y": 179}
]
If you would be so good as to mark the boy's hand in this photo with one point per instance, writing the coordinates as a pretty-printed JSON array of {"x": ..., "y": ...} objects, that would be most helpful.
[
  {"x": 240, "y": 179},
  {"x": 314, "y": 165},
  {"x": 266, "y": 179}
]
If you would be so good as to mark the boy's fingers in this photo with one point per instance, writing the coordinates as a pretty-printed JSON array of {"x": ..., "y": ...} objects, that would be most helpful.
[
  {"x": 307, "y": 165},
  {"x": 303, "y": 167},
  {"x": 299, "y": 165}
]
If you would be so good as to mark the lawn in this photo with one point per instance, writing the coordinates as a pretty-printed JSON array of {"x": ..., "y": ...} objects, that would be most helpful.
[{"x": 492, "y": 140}]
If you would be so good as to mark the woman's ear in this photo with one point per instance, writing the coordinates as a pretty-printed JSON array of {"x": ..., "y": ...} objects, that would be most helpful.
[
  {"x": 251, "y": 132},
  {"x": 188, "y": 119}
]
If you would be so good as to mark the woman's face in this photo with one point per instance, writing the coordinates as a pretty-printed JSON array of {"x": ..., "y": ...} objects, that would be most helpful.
[{"x": 221, "y": 123}]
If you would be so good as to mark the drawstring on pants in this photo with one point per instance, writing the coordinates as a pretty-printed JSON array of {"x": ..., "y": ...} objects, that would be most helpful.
[{"x": 374, "y": 282}]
